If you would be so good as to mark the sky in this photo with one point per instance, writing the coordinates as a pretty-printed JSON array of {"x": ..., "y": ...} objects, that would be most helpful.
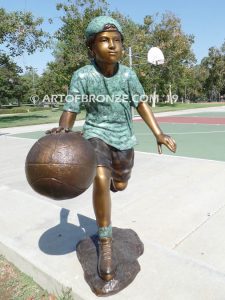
[{"x": 205, "y": 19}]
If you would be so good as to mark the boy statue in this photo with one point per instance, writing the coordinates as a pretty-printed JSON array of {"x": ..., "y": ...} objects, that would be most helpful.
[{"x": 108, "y": 90}]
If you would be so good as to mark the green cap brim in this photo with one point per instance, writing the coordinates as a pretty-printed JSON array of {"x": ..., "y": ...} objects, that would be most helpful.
[{"x": 97, "y": 25}]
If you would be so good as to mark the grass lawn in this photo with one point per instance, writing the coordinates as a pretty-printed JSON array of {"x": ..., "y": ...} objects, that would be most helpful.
[
  {"x": 15, "y": 285},
  {"x": 52, "y": 116},
  {"x": 33, "y": 118}
]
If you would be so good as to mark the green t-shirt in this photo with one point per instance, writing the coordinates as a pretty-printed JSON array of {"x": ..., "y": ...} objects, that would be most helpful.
[{"x": 108, "y": 102}]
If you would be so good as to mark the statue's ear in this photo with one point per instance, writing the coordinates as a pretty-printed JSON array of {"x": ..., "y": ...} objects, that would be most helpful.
[{"x": 91, "y": 53}]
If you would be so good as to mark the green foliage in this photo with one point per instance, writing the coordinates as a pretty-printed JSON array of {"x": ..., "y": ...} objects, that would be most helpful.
[
  {"x": 19, "y": 32},
  {"x": 14, "y": 87},
  {"x": 10, "y": 87},
  {"x": 214, "y": 68},
  {"x": 70, "y": 49},
  {"x": 66, "y": 294},
  {"x": 176, "y": 46},
  {"x": 30, "y": 83}
]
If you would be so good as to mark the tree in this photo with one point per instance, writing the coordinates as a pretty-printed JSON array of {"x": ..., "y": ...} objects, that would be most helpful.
[
  {"x": 19, "y": 32},
  {"x": 71, "y": 52},
  {"x": 10, "y": 89},
  {"x": 214, "y": 65},
  {"x": 30, "y": 85},
  {"x": 176, "y": 46},
  {"x": 194, "y": 83}
]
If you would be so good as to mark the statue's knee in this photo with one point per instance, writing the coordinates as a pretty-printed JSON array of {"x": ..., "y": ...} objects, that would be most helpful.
[
  {"x": 102, "y": 175},
  {"x": 119, "y": 185}
]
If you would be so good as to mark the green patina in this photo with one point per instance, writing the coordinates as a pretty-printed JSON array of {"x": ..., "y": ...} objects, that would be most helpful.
[
  {"x": 108, "y": 102},
  {"x": 104, "y": 232},
  {"x": 98, "y": 23}
]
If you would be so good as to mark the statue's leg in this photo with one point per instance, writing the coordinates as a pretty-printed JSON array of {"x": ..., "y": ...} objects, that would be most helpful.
[
  {"x": 116, "y": 186},
  {"x": 122, "y": 164},
  {"x": 114, "y": 165},
  {"x": 102, "y": 209}
]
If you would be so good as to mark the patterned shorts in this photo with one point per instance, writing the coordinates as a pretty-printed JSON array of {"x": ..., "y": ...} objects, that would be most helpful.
[{"x": 120, "y": 162}]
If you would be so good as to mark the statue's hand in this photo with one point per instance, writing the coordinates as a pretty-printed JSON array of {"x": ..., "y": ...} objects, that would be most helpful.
[
  {"x": 57, "y": 130},
  {"x": 166, "y": 140}
]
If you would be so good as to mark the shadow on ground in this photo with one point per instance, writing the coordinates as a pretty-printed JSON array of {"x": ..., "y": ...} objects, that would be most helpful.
[{"x": 63, "y": 238}]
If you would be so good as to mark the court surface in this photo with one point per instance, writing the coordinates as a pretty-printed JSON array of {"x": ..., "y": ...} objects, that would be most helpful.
[
  {"x": 174, "y": 202},
  {"x": 199, "y": 135}
]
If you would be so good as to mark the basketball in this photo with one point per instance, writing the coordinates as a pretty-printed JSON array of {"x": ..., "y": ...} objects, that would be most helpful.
[{"x": 61, "y": 166}]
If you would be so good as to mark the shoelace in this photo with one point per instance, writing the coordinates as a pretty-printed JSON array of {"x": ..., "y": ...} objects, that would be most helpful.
[{"x": 106, "y": 250}]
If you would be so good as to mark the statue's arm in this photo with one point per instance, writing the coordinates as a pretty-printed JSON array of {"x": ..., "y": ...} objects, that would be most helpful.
[
  {"x": 149, "y": 118},
  {"x": 66, "y": 123}
]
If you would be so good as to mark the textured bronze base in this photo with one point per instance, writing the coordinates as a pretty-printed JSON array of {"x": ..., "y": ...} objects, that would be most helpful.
[{"x": 127, "y": 247}]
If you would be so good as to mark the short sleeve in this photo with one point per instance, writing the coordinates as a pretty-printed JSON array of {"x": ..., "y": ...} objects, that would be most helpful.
[
  {"x": 136, "y": 90},
  {"x": 75, "y": 94}
]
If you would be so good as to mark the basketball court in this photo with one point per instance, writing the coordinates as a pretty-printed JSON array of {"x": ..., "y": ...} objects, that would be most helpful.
[
  {"x": 174, "y": 202},
  {"x": 198, "y": 135}
]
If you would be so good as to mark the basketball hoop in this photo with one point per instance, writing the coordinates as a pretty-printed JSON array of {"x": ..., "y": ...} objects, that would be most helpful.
[{"x": 155, "y": 56}]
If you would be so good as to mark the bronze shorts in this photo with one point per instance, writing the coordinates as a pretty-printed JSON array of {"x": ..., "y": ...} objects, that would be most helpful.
[{"x": 120, "y": 162}]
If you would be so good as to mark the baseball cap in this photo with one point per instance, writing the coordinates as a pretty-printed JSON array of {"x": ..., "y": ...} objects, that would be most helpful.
[{"x": 97, "y": 25}]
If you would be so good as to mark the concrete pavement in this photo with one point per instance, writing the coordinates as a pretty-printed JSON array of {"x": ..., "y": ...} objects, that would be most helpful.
[{"x": 176, "y": 205}]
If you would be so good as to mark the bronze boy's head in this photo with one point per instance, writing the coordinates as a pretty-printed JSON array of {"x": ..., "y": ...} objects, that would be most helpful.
[{"x": 104, "y": 39}]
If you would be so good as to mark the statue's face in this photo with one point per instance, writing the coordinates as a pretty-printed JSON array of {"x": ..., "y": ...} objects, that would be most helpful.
[{"x": 107, "y": 47}]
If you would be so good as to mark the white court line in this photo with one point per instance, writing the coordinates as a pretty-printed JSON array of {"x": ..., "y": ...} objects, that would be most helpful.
[
  {"x": 177, "y": 123},
  {"x": 183, "y": 157},
  {"x": 137, "y": 134},
  {"x": 151, "y": 153},
  {"x": 193, "y": 132}
]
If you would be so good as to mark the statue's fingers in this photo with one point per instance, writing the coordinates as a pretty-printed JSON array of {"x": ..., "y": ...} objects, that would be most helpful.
[
  {"x": 159, "y": 148},
  {"x": 173, "y": 141},
  {"x": 50, "y": 131},
  {"x": 172, "y": 145},
  {"x": 59, "y": 129}
]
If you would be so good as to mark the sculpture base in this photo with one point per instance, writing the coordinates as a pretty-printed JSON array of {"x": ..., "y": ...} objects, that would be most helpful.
[{"x": 127, "y": 247}]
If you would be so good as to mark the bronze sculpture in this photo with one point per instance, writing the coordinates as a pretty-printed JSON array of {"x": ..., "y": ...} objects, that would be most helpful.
[
  {"x": 108, "y": 124},
  {"x": 61, "y": 166}
]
